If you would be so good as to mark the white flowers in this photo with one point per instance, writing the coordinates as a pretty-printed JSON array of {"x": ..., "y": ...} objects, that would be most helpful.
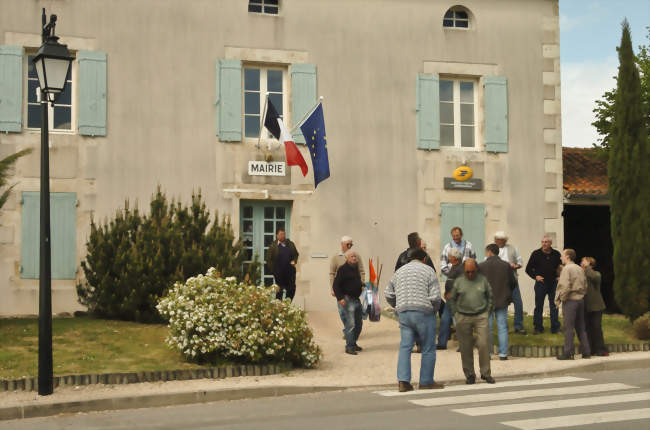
[{"x": 211, "y": 317}]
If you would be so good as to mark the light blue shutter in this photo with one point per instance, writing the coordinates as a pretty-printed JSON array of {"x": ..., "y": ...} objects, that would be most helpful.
[
  {"x": 11, "y": 88},
  {"x": 63, "y": 233},
  {"x": 304, "y": 94},
  {"x": 229, "y": 100},
  {"x": 427, "y": 111},
  {"x": 496, "y": 113},
  {"x": 30, "y": 233},
  {"x": 63, "y": 228},
  {"x": 468, "y": 216},
  {"x": 92, "y": 93}
]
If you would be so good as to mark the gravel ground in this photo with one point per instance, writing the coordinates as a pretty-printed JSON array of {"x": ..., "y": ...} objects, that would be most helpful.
[{"x": 375, "y": 365}]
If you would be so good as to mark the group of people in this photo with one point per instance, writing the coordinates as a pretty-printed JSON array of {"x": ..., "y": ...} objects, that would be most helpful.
[{"x": 475, "y": 295}]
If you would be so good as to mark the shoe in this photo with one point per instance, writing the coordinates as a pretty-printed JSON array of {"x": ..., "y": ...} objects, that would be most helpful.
[
  {"x": 417, "y": 349},
  {"x": 403, "y": 387},
  {"x": 586, "y": 355},
  {"x": 470, "y": 380},
  {"x": 503, "y": 358},
  {"x": 565, "y": 357},
  {"x": 603, "y": 354},
  {"x": 538, "y": 331},
  {"x": 458, "y": 349},
  {"x": 440, "y": 347},
  {"x": 351, "y": 351},
  {"x": 434, "y": 386},
  {"x": 522, "y": 331},
  {"x": 555, "y": 331},
  {"x": 357, "y": 348},
  {"x": 488, "y": 379}
]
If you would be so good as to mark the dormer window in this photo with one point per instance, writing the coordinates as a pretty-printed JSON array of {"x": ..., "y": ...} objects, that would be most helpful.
[
  {"x": 269, "y": 7},
  {"x": 456, "y": 17}
]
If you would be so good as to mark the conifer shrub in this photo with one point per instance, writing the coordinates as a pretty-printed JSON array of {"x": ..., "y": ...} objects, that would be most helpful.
[
  {"x": 133, "y": 259},
  {"x": 212, "y": 318},
  {"x": 641, "y": 327}
]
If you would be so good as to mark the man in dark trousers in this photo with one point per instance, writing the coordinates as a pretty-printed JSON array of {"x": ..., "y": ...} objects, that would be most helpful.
[
  {"x": 502, "y": 281},
  {"x": 542, "y": 267},
  {"x": 347, "y": 289},
  {"x": 281, "y": 260}
]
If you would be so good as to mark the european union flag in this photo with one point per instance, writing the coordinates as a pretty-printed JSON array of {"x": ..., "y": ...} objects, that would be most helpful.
[{"x": 313, "y": 128}]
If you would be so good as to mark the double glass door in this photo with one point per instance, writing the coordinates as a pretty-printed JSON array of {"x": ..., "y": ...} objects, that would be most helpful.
[{"x": 260, "y": 221}]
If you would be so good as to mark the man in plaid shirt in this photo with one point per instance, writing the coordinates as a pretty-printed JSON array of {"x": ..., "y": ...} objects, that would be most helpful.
[{"x": 464, "y": 246}]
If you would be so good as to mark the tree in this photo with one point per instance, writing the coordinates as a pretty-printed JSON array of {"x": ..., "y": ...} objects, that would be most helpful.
[
  {"x": 629, "y": 184},
  {"x": 5, "y": 167},
  {"x": 604, "y": 109}
]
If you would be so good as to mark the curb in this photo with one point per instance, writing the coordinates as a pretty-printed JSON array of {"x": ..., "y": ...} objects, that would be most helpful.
[
  {"x": 31, "y": 384},
  {"x": 534, "y": 351},
  {"x": 170, "y": 399}
]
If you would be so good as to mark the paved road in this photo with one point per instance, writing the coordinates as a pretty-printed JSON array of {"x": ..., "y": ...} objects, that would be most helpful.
[{"x": 601, "y": 400}]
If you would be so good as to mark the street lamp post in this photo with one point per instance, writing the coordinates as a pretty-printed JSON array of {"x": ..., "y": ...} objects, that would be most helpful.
[{"x": 52, "y": 64}]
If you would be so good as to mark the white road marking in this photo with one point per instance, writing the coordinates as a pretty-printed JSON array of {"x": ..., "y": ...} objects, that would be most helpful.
[
  {"x": 517, "y": 383},
  {"x": 579, "y": 420},
  {"x": 509, "y": 395},
  {"x": 554, "y": 404}
]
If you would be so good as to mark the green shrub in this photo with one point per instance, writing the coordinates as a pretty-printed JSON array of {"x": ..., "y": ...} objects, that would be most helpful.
[
  {"x": 212, "y": 318},
  {"x": 133, "y": 259},
  {"x": 641, "y": 327}
]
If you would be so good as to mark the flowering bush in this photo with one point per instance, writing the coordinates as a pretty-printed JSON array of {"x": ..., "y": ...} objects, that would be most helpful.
[{"x": 212, "y": 317}]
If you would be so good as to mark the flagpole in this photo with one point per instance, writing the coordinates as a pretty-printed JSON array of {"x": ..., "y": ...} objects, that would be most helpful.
[
  {"x": 259, "y": 137},
  {"x": 309, "y": 112}
]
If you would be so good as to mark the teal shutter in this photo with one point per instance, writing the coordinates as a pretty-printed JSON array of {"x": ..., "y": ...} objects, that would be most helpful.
[
  {"x": 92, "y": 93},
  {"x": 427, "y": 111},
  {"x": 11, "y": 88},
  {"x": 304, "y": 94},
  {"x": 63, "y": 228},
  {"x": 30, "y": 233},
  {"x": 468, "y": 216},
  {"x": 496, "y": 114},
  {"x": 229, "y": 100},
  {"x": 63, "y": 232}
]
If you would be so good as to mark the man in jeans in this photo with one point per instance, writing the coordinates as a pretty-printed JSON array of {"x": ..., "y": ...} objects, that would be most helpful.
[
  {"x": 455, "y": 258},
  {"x": 347, "y": 288},
  {"x": 337, "y": 261},
  {"x": 414, "y": 292},
  {"x": 542, "y": 267},
  {"x": 502, "y": 281},
  {"x": 509, "y": 254}
]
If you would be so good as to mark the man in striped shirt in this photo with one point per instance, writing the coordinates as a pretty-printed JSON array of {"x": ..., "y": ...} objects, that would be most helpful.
[
  {"x": 414, "y": 292},
  {"x": 464, "y": 246}
]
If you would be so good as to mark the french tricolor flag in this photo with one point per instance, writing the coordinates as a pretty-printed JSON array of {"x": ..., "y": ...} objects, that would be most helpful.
[{"x": 276, "y": 127}]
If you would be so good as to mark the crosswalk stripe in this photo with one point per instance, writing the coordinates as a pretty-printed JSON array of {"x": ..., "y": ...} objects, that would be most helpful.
[
  {"x": 580, "y": 420},
  {"x": 553, "y": 404},
  {"x": 509, "y": 395},
  {"x": 517, "y": 383}
]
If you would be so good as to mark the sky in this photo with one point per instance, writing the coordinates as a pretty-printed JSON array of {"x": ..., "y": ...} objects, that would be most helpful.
[{"x": 590, "y": 31}]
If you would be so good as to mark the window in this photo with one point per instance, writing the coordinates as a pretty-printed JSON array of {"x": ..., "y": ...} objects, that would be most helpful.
[
  {"x": 270, "y": 7},
  {"x": 458, "y": 113},
  {"x": 257, "y": 82},
  {"x": 456, "y": 17},
  {"x": 60, "y": 115}
]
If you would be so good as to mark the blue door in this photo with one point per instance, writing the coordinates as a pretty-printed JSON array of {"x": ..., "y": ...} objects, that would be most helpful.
[
  {"x": 470, "y": 217},
  {"x": 259, "y": 221}
]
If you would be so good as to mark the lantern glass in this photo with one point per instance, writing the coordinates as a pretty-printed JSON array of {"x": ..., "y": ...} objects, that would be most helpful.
[{"x": 52, "y": 73}]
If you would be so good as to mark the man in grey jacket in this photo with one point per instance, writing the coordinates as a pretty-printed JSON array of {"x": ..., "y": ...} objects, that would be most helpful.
[
  {"x": 570, "y": 293},
  {"x": 502, "y": 281},
  {"x": 414, "y": 292}
]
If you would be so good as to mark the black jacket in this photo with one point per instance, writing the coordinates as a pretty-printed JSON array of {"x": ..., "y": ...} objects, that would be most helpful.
[
  {"x": 543, "y": 264},
  {"x": 501, "y": 278},
  {"x": 405, "y": 257},
  {"x": 347, "y": 282}
]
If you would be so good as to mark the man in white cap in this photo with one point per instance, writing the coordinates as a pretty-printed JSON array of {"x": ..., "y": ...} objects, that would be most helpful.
[
  {"x": 509, "y": 254},
  {"x": 337, "y": 261}
]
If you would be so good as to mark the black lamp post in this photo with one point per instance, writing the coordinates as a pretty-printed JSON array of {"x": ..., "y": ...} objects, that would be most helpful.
[{"x": 52, "y": 64}]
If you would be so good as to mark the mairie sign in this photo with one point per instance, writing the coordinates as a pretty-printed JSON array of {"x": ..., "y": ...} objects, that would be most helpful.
[{"x": 265, "y": 168}]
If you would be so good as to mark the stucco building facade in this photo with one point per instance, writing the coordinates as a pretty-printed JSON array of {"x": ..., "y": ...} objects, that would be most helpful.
[{"x": 171, "y": 93}]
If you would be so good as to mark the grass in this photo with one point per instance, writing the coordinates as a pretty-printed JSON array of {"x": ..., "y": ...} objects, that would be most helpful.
[
  {"x": 86, "y": 345},
  {"x": 616, "y": 330}
]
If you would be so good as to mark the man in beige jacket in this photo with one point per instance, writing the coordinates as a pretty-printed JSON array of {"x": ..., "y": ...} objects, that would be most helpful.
[{"x": 570, "y": 293}]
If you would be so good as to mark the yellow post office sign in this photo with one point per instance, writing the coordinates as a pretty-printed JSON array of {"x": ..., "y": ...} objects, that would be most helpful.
[{"x": 462, "y": 173}]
